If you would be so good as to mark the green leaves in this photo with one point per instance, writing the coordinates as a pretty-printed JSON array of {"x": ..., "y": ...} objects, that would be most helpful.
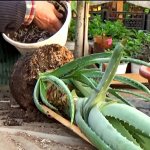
[
  {"x": 41, "y": 89},
  {"x": 110, "y": 125},
  {"x": 108, "y": 133}
]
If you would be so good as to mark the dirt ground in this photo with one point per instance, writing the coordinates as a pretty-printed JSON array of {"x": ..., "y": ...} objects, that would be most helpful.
[
  {"x": 16, "y": 130},
  {"x": 20, "y": 133}
]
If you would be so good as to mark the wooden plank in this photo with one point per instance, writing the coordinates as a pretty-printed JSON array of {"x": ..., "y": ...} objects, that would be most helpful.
[
  {"x": 134, "y": 76},
  {"x": 65, "y": 122},
  {"x": 120, "y": 8}
]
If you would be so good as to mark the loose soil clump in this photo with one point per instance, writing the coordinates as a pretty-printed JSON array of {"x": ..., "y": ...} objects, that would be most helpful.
[
  {"x": 33, "y": 34},
  {"x": 27, "y": 68}
]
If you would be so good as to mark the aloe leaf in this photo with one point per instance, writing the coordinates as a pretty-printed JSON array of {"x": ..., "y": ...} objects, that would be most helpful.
[
  {"x": 99, "y": 95},
  {"x": 90, "y": 73},
  {"x": 85, "y": 80},
  {"x": 43, "y": 90},
  {"x": 108, "y": 133},
  {"x": 81, "y": 66},
  {"x": 91, "y": 62},
  {"x": 141, "y": 138},
  {"x": 129, "y": 115},
  {"x": 132, "y": 83},
  {"x": 36, "y": 95},
  {"x": 143, "y": 141},
  {"x": 120, "y": 128},
  {"x": 136, "y": 61},
  {"x": 65, "y": 89},
  {"x": 145, "y": 98},
  {"x": 95, "y": 73},
  {"x": 83, "y": 88},
  {"x": 79, "y": 62},
  {"x": 114, "y": 93},
  {"x": 91, "y": 135}
]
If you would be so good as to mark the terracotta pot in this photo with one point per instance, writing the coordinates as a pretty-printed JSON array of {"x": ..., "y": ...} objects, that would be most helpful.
[
  {"x": 145, "y": 72},
  {"x": 101, "y": 43}
]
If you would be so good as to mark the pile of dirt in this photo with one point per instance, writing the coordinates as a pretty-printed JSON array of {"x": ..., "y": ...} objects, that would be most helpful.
[{"x": 27, "y": 68}]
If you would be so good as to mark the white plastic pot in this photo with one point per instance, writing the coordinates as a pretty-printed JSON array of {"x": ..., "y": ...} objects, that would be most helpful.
[
  {"x": 135, "y": 68},
  {"x": 121, "y": 68},
  {"x": 60, "y": 37}
]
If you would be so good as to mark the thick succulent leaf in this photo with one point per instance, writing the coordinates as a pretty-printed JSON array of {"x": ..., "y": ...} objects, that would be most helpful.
[
  {"x": 132, "y": 83},
  {"x": 81, "y": 66},
  {"x": 43, "y": 91},
  {"x": 89, "y": 82},
  {"x": 88, "y": 132},
  {"x": 72, "y": 66},
  {"x": 142, "y": 97},
  {"x": 99, "y": 95},
  {"x": 59, "y": 83},
  {"x": 91, "y": 73},
  {"x": 93, "y": 62},
  {"x": 36, "y": 95},
  {"x": 95, "y": 73},
  {"x": 128, "y": 114},
  {"x": 120, "y": 128},
  {"x": 117, "y": 95},
  {"x": 136, "y": 61},
  {"x": 108, "y": 133},
  {"x": 83, "y": 88},
  {"x": 143, "y": 140}
]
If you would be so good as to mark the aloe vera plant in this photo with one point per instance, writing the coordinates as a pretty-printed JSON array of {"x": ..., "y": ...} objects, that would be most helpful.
[{"x": 108, "y": 122}]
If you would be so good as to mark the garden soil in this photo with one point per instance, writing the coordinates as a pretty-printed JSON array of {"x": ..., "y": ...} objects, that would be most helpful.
[{"x": 42, "y": 133}]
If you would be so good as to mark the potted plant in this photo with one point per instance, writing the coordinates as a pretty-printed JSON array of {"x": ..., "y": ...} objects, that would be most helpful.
[
  {"x": 143, "y": 52},
  {"x": 117, "y": 31},
  {"x": 41, "y": 38},
  {"x": 96, "y": 32}
]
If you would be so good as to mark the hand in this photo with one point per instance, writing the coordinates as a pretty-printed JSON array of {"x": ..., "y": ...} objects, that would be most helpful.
[{"x": 47, "y": 17}]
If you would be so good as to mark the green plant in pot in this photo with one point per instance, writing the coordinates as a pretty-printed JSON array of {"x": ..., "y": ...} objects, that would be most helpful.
[
  {"x": 98, "y": 34},
  {"x": 142, "y": 52}
]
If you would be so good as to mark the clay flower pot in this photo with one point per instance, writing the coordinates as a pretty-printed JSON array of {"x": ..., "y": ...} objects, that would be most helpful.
[
  {"x": 101, "y": 43},
  {"x": 145, "y": 72}
]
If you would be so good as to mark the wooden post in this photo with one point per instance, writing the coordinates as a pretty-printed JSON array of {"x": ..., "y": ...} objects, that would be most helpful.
[
  {"x": 85, "y": 35},
  {"x": 79, "y": 29},
  {"x": 120, "y": 8}
]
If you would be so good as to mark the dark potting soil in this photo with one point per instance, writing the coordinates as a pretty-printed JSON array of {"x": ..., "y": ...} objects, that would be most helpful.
[
  {"x": 33, "y": 34},
  {"x": 26, "y": 69}
]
